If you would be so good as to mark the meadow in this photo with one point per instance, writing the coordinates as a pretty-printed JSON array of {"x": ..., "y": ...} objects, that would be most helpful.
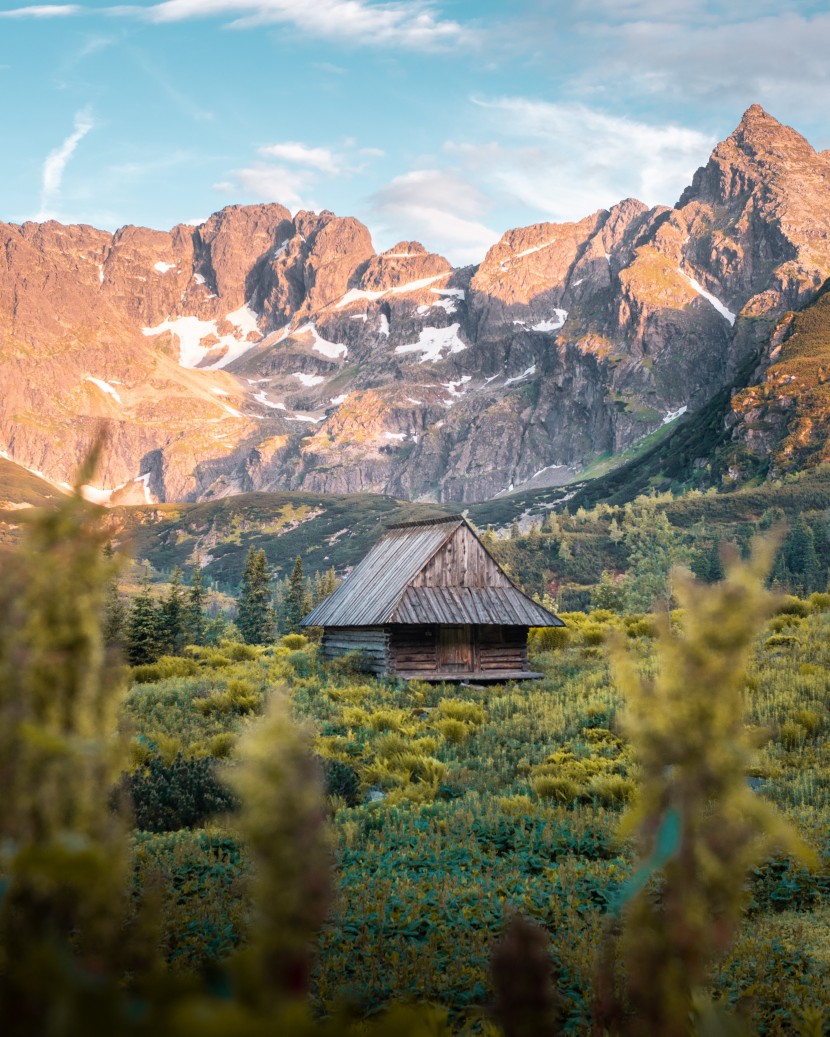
[{"x": 453, "y": 808}]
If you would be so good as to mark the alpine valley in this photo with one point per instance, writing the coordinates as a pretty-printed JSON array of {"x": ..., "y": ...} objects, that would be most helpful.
[{"x": 265, "y": 352}]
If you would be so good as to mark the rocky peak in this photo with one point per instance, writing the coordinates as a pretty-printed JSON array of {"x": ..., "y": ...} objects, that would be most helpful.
[
  {"x": 404, "y": 263},
  {"x": 233, "y": 242}
]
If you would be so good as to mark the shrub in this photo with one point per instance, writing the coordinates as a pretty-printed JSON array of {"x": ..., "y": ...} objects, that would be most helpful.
[
  {"x": 457, "y": 709},
  {"x": 161, "y": 669},
  {"x": 563, "y": 790},
  {"x": 792, "y": 606},
  {"x": 238, "y": 697},
  {"x": 340, "y": 779},
  {"x": 792, "y": 735},
  {"x": 238, "y": 652},
  {"x": 611, "y": 790},
  {"x": 547, "y": 639},
  {"x": 454, "y": 731},
  {"x": 182, "y": 794},
  {"x": 294, "y": 641}
]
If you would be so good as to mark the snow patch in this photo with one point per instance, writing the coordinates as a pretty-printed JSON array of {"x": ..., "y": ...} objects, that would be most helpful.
[
  {"x": 505, "y": 263},
  {"x": 337, "y": 400},
  {"x": 304, "y": 417},
  {"x": 547, "y": 468},
  {"x": 281, "y": 248},
  {"x": 191, "y": 332},
  {"x": 454, "y": 388},
  {"x": 673, "y": 415},
  {"x": 308, "y": 379},
  {"x": 359, "y": 316},
  {"x": 101, "y": 272},
  {"x": 578, "y": 282},
  {"x": 332, "y": 350},
  {"x": 104, "y": 387},
  {"x": 355, "y": 294},
  {"x": 455, "y": 293},
  {"x": 163, "y": 268},
  {"x": 220, "y": 392},
  {"x": 719, "y": 306},
  {"x": 418, "y": 403},
  {"x": 199, "y": 279},
  {"x": 263, "y": 399},
  {"x": 554, "y": 324},
  {"x": 384, "y": 326},
  {"x": 520, "y": 377},
  {"x": 432, "y": 342},
  {"x": 400, "y": 436}
]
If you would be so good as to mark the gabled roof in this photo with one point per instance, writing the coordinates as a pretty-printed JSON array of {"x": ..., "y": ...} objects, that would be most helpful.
[{"x": 378, "y": 592}]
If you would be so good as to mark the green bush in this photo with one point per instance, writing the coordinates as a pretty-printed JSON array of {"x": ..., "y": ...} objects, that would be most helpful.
[
  {"x": 547, "y": 786},
  {"x": 340, "y": 779},
  {"x": 182, "y": 794}
]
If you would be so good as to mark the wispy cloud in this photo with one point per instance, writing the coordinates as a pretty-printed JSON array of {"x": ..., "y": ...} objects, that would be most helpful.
[
  {"x": 56, "y": 161},
  {"x": 299, "y": 169},
  {"x": 413, "y": 24},
  {"x": 42, "y": 11},
  {"x": 568, "y": 159},
  {"x": 302, "y": 155},
  {"x": 439, "y": 206}
]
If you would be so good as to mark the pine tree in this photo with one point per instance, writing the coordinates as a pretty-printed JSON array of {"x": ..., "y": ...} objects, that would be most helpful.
[
  {"x": 115, "y": 616},
  {"x": 174, "y": 616},
  {"x": 295, "y": 606},
  {"x": 195, "y": 614},
  {"x": 800, "y": 557},
  {"x": 255, "y": 616},
  {"x": 515, "y": 532},
  {"x": 144, "y": 634}
]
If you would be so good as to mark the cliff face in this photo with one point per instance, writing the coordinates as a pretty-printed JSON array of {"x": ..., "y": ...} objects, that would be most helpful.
[{"x": 261, "y": 351}]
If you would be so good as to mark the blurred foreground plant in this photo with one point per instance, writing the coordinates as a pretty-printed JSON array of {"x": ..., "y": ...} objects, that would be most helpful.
[
  {"x": 63, "y": 860},
  {"x": 699, "y": 827}
]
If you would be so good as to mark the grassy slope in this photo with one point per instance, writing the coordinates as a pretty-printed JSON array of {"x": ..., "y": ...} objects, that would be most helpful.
[{"x": 324, "y": 530}]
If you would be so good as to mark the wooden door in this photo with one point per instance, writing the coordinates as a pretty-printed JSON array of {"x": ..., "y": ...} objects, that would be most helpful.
[{"x": 456, "y": 649}]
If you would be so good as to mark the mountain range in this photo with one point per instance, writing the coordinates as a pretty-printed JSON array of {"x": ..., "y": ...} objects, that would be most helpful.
[{"x": 265, "y": 351}]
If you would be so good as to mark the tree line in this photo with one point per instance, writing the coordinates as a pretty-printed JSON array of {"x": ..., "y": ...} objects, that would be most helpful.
[{"x": 150, "y": 626}]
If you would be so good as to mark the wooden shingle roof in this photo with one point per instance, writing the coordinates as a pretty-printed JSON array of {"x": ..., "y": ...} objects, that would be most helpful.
[{"x": 378, "y": 590}]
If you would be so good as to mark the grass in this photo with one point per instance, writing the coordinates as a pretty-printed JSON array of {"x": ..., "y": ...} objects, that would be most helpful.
[{"x": 474, "y": 802}]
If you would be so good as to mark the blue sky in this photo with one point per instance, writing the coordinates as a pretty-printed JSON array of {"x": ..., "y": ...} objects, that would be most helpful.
[{"x": 446, "y": 121}]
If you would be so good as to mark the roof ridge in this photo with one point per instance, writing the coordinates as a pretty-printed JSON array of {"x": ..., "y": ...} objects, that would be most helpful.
[{"x": 427, "y": 522}]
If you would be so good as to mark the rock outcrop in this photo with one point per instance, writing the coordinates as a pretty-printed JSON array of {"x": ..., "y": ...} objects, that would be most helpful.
[{"x": 265, "y": 351}]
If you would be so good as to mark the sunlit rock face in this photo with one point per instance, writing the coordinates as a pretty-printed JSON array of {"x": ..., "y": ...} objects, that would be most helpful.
[{"x": 265, "y": 351}]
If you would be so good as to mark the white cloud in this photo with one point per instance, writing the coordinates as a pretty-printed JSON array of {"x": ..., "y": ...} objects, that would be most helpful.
[
  {"x": 303, "y": 155},
  {"x": 55, "y": 164},
  {"x": 42, "y": 11},
  {"x": 571, "y": 159},
  {"x": 265, "y": 182},
  {"x": 412, "y": 24},
  {"x": 437, "y": 205}
]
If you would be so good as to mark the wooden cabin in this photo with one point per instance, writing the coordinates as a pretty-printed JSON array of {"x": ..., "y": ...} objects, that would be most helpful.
[{"x": 429, "y": 602}]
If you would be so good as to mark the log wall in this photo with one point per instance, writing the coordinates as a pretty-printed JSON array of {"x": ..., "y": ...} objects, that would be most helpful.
[
  {"x": 414, "y": 649},
  {"x": 501, "y": 648},
  {"x": 372, "y": 642}
]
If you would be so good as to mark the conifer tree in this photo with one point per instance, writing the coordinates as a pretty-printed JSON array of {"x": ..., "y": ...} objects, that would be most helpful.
[
  {"x": 174, "y": 615},
  {"x": 295, "y": 605},
  {"x": 144, "y": 634},
  {"x": 195, "y": 615},
  {"x": 255, "y": 616},
  {"x": 800, "y": 558}
]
